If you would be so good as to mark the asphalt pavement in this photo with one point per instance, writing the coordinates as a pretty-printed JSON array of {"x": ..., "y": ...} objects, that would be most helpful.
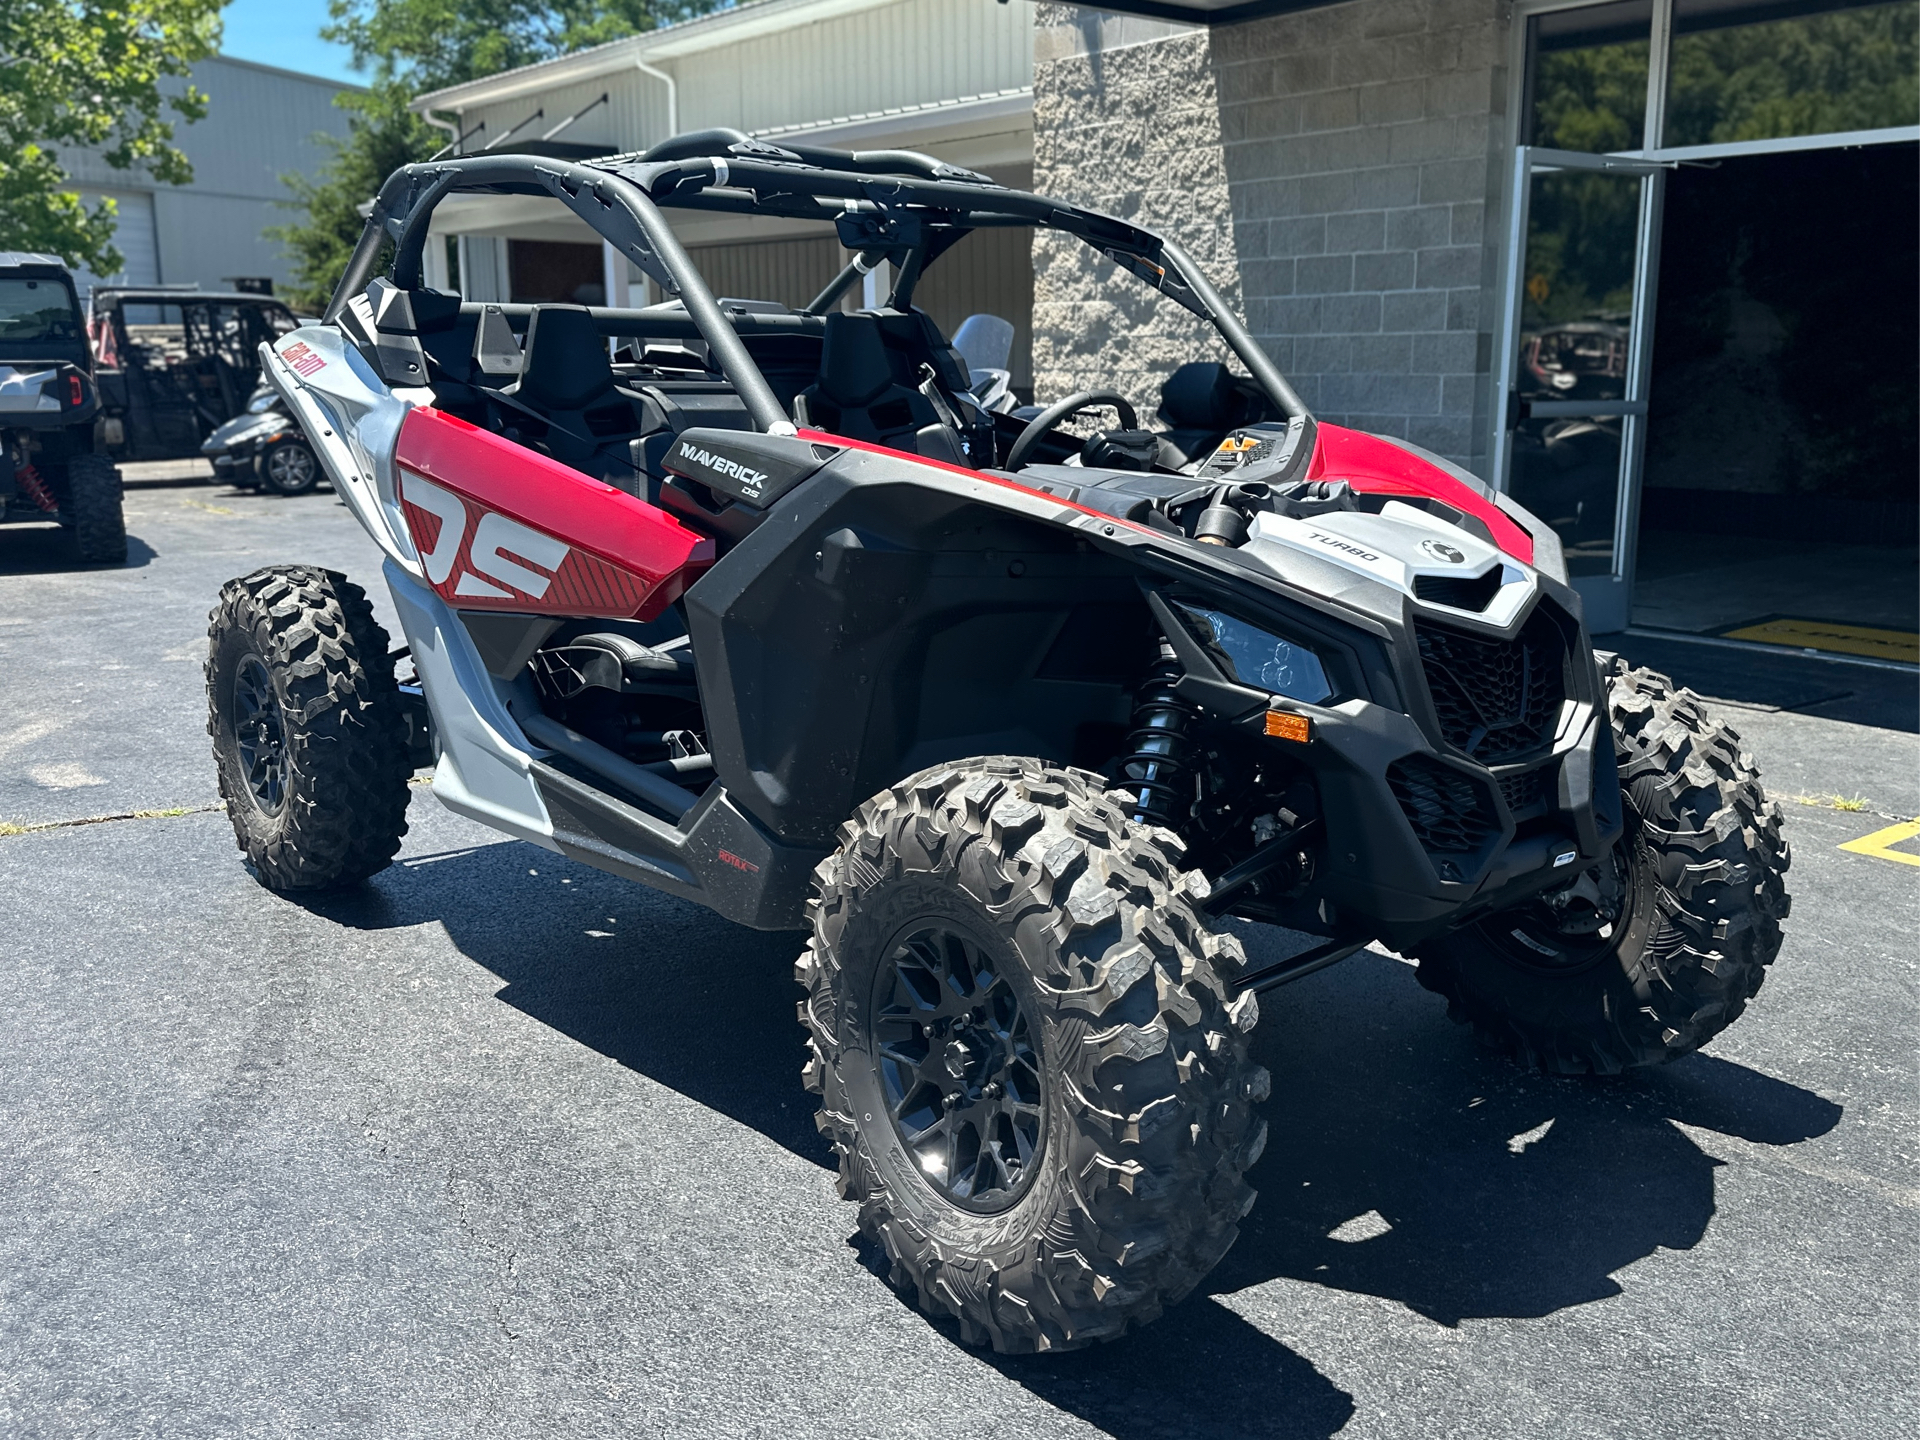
[{"x": 498, "y": 1145}]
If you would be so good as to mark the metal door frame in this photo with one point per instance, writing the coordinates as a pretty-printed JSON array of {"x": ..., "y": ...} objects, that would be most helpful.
[
  {"x": 1609, "y": 598},
  {"x": 1606, "y": 596}
]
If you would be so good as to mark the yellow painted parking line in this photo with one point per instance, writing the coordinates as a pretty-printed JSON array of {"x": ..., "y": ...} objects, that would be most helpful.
[
  {"x": 1825, "y": 635},
  {"x": 1880, "y": 844}
]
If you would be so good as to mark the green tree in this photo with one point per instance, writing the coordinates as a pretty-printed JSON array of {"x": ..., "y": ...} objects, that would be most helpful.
[
  {"x": 431, "y": 43},
  {"x": 88, "y": 73},
  {"x": 382, "y": 135},
  {"x": 411, "y": 47}
]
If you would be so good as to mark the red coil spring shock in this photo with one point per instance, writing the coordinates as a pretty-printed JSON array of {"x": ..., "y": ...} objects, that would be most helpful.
[{"x": 34, "y": 488}]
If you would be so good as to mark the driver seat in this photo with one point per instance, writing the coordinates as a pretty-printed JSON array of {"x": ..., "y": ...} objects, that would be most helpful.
[{"x": 869, "y": 383}]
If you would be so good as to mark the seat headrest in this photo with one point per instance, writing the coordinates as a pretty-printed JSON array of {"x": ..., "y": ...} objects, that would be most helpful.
[
  {"x": 854, "y": 366},
  {"x": 566, "y": 364},
  {"x": 1199, "y": 396}
]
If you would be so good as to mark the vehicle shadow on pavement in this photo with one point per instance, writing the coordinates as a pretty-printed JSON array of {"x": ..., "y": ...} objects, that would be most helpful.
[
  {"x": 661, "y": 985},
  {"x": 45, "y": 550},
  {"x": 1402, "y": 1162},
  {"x": 1406, "y": 1162}
]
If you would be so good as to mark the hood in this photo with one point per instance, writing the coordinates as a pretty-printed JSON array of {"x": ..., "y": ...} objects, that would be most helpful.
[{"x": 1419, "y": 554}]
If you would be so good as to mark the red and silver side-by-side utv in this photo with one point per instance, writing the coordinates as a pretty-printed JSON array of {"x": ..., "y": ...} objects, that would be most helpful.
[{"x": 764, "y": 608}]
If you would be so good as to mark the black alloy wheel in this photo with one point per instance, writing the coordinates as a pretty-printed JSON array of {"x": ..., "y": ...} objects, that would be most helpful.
[
  {"x": 1655, "y": 951},
  {"x": 259, "y": 728},
  {"x": 1030, "y": 1062},
  {"x": 958, "y": 1067},
  {"x": 309, "y": 729}
]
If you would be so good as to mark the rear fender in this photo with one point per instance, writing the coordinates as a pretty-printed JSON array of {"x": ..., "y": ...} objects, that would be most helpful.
[
  {"x": 485, "y": 763},
  {"x": 352, "y": 421}
]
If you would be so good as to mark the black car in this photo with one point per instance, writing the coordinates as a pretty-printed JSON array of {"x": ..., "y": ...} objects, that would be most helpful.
[{"x": 263, "y": 447}]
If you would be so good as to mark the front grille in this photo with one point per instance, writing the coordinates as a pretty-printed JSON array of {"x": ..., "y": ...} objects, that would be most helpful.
[
  {"x": 1451, "y": 813},
  {"x": 1496, "y": 699},
  {"x": 1473, "y": 594},
  {"x": 1522, "y": 792}
]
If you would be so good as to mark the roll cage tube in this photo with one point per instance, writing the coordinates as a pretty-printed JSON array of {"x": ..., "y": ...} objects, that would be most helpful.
[
  {"x": 610, "y": 204},
  {"x": 880, "y": 202},
  {"x": 785, "y": 182}
]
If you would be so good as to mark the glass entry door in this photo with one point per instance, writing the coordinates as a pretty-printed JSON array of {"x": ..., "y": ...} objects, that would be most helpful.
[{"x": 1573, "y": 362}]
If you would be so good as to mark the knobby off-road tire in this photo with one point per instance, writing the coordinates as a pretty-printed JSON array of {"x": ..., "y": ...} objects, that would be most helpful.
[
  {"x": 1145, "y": 1116},
  {"x": 93, "y": 505},
  {"x": 1701, "y": 865},
  {"x": 309, "y": 736}
]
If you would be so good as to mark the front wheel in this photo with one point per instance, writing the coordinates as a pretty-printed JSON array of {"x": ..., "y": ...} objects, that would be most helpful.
[
  {"x": 1656, "y": 950},
  {"x": 1030, "y": 1062},
  {"x": 309, "y": 732}
]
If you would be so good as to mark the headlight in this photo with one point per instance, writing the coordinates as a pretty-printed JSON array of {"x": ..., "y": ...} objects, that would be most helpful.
[
  {"x": 1252, "y": 657},
  {"x": 263, "y": 402}
]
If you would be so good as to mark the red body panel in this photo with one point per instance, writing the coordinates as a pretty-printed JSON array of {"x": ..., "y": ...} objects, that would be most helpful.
[
  {"x": 535, "y": 535},
  {"x": 1375, "y": 467}
]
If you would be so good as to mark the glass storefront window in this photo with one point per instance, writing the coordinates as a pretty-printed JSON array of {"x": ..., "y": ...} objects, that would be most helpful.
[
  {"x": 1746, "y": 71},
  {"x": 1576, "y": 317},
  {"x": 1587, "y": 77}
]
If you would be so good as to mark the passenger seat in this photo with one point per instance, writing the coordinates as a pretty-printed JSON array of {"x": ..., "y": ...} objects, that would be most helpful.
[
  {"x": 568, "y": 378},
  {"x": 869, "y": 385}
]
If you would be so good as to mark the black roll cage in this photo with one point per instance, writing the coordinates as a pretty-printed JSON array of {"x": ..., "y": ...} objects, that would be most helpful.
[{"x": 893, "y": 204}]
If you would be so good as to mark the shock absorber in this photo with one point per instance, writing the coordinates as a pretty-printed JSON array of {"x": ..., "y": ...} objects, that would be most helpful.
[
  {"x": 1156, "y": 765},
  {"x": 34, "y": 486}
]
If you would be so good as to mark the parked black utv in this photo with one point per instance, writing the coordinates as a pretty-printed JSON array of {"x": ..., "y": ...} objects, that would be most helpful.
[{"x": 51, "y": 465}]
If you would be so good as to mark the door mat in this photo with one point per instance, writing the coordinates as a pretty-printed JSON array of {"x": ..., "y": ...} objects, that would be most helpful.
[{"x": 1798, "y": 634}]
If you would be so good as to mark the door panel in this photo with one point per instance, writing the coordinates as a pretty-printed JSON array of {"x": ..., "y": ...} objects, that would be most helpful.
[{"x": 502, "y": 527}]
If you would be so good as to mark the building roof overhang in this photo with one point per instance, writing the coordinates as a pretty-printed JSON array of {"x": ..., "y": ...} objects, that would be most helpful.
[
  {"x": 670, "y": 42},
  {"x": 1203, "y": 12}
]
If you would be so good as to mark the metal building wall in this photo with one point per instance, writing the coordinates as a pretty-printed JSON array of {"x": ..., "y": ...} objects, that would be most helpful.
[
  {"x": 260, "y": 126},
  {"x": 904, "y": 53},
  {"x": 634, "y": 115},
  {"x": 790, "y": 271},
  {"x": 871, "y": 60}
]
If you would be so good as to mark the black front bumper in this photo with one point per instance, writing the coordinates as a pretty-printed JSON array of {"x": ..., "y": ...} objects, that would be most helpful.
[{"x": 1432, "y": 815}]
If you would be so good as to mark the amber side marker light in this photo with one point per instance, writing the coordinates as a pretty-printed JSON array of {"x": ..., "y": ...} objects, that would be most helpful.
[{"x": 1289, "y": 727}]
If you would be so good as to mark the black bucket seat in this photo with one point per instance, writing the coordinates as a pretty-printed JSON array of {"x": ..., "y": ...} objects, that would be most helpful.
[{"x": 872, "y": 366}]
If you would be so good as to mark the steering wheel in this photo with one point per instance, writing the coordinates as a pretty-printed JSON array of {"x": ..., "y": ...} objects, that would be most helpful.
[{"x": 1047, "y": 419}]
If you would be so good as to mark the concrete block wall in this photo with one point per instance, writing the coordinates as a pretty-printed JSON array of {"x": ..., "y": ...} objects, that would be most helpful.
[{"x": 1359, "y": 150}]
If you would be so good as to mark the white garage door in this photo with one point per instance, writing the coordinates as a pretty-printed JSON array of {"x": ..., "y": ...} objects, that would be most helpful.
[{"x": 133, "y": 237}]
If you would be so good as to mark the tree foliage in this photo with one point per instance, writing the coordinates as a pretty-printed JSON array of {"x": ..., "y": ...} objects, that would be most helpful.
[
  {"x": 89, "y": 73},
  {"x": 382, "y": 135},
  {"x": 412, "y": 47},
  {"x": 431, "y": 43}
]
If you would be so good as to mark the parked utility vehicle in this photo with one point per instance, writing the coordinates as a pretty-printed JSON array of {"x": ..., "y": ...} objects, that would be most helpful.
[
  {"x": 769, "y": 614},
  {"x": 51, "y": 465}
]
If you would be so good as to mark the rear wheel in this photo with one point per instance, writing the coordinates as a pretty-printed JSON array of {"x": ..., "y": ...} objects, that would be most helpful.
[
  {"x": 1029, "y": 1061},
  {"x": 93, "y": 506},
  {"x": 288, "y": 467},
  {"x": 309, "y": 733},
  {"x": 1656, "y": 950}
]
